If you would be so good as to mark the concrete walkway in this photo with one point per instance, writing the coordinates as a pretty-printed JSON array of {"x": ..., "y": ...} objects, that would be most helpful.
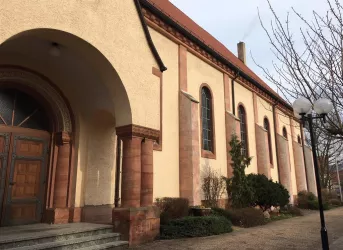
[{"x": 295, "y": 233}]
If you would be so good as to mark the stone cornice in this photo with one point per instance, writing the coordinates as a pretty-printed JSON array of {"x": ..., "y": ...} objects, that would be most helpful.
[
  {"x": 154, "y": 21},
  {"x": 138, "y": 131}
]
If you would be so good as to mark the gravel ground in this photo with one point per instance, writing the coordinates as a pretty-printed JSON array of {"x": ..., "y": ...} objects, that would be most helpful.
[{"x": 295, "y": 233}]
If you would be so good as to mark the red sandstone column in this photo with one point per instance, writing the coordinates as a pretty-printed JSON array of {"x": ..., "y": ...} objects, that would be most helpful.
[
  {"x": 147, "y": 173},
  {"x": 131, "y": 172},
  {"x": 62, "y": 170}
]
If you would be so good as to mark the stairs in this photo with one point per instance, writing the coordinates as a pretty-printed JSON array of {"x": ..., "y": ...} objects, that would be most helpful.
[{"x": 84, "y": 236}]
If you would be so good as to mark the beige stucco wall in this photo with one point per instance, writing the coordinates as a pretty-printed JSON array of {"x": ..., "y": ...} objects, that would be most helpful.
[
  {"x": 115, "y": 33},
  {"x": 166, "y": 162},
  {"x": 199, "y": 72},
  {"x": 245, "y": 97},
  {"x": 284, "y": 121},
  {"x": 265, "y": 109},
  {"x": 113, "y": 27}
]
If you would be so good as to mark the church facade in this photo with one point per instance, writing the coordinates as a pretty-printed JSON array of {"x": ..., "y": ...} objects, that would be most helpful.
[{"x": 107, "y": 105}]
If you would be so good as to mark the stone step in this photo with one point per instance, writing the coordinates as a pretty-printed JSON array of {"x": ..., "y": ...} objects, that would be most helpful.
[
  {"x": 77, "y": 243},
  {"x": 117, "y": 245},
  {"x": 46, "y": 236}
]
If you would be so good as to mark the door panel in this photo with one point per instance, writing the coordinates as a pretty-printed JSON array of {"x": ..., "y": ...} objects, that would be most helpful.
[
  {"x": 4, "y": 143},
  {"x": 25, "y": 189}
]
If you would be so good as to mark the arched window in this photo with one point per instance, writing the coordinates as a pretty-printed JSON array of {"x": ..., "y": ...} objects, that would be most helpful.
[
  {"x": 284, "y": 132},
  {"x": 267, "y": 127},
  {"x": 243, "y": 126},
  {"x": 299, "y": 139},
  {"x": 207, "y": 120}
]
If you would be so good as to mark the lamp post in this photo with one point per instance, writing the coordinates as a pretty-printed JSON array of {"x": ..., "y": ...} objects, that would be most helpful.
[{"x": 303, "y": 110}]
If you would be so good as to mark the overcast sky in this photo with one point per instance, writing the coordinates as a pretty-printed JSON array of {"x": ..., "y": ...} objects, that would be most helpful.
[{"x": 232, "y": 21}]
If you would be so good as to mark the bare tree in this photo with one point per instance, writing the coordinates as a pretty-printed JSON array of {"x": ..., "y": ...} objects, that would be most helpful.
[{"x": 315, "y": 69}]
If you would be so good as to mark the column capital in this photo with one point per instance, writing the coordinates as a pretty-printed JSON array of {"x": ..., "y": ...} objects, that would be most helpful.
[
  {"x": 138, "y": 131},
  {"x": 62, "y": 137}
]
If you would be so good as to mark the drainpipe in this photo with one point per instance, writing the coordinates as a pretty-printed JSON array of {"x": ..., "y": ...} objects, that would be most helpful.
[
  {"x": 276, "y": 145},
  {"x": 233, "y": 93},
  {"x": 116, "y": 188}
]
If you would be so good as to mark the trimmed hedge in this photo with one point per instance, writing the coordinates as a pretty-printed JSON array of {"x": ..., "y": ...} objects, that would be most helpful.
[
  {"x": 295, "y": 211},
  {"x": 172, "y": 208},
  {"x": 308, "y": 200},
  {"x": 195, "y": 227},
  {"x": 221, "y": 212},
  {"x": 335, "y": 202},
  {"x": 247, "y": 217}
]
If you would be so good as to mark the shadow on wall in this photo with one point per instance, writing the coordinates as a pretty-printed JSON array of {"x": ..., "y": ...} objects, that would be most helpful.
[{"x": 100, "y": 169}]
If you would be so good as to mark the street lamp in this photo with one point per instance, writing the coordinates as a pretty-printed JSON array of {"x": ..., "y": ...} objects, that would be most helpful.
[{"x": 303, "y": 110}]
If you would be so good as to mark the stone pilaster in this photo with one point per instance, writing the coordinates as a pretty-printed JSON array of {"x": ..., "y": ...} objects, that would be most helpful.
[
  {"x": 262, "y": 151},
  {"x": 311, "y": 178},
  {"x": 299, "y": 166},
  {"x": 284, "y": 164}
]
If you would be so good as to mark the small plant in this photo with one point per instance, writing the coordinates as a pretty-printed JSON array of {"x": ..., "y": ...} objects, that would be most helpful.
[
  {"x": 195, "y": 227},
  {"x": 238, "y": 189},
  {"x": 172, "y": 208},
  {"x": 212, "y": 186}
]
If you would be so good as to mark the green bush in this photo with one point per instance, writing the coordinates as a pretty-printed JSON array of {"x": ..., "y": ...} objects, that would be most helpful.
[
  {"x": 221, "y": 212},
  {"x": 172, "y": 208},
  {"x": 195, "y": 227},
  {"x": 267, "y": 193},
  {"x": 335, "y": 202},
  {"x": 247, "y": 217},
  {"x": 314, "y": 205},
  {"x": 306, "y": 200}
]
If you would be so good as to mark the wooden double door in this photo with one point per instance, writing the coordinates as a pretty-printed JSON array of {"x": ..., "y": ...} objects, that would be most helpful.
[{"x": 23, "y": 165}]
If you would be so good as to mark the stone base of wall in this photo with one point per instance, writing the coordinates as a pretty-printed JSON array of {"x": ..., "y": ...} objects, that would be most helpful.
[
  {"x": 57, "y": 216},
  {"x": 137, "y": 225},
  {"x": 101, "y": 214}
]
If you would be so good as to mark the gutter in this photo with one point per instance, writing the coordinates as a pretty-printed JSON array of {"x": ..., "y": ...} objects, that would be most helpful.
[
  {"x": 148, "y": 37},
  {"x": 212, "y": 52}
]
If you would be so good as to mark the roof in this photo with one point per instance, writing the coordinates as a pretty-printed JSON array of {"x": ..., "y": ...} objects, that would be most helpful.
[{"x": 167, "y": 8}]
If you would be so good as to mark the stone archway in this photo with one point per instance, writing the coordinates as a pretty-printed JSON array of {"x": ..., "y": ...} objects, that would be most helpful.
[{"x": 58, "y": 176}]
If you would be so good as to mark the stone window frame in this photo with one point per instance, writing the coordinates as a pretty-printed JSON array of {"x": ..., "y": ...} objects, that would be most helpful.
[
  {"x": 210, "y": 154},
  {"x": 246, "y": 142},
  {"x": 270, "y": 147}
]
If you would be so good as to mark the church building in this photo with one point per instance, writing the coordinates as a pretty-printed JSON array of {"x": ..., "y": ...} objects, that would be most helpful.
[{"x": 107, "y": 105}]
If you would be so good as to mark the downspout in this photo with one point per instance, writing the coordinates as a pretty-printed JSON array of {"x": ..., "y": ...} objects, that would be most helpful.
[
  {"x": 116, "y": 187},
  {"x": 233, "y": 93},
  {"x": 276, "y": 145},
  {"x": 303, "y": 146},
  {"x": 148, "y": 37}
]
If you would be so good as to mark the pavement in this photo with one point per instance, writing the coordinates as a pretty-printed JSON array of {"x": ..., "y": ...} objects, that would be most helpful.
[{"x": 301, "y": 233}]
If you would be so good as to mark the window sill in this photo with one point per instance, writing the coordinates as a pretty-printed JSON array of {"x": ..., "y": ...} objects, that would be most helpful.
[{"x": 207, "y": 154}]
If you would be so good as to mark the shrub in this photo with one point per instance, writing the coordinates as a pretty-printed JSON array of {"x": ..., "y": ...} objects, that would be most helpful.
[
  {"x": 172, "y": 208},
  {"x": 295, "y": 211},
  {"x": 221, "y": 212},
  {"x": 212, "y": 186},
  {"x": 195, "y": 227},
  {"x": 328, "y": 195},
  {"x": 314, "y": 205},
  {"x": 247, "y": 217},
  {"x": 268, "y": 193},
  {"x": 304, "y": 198},
  {"x": 238, "y": 189},
  {"x": 335, "y": 202}
]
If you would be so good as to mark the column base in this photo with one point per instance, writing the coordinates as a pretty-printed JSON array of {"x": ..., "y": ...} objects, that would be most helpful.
[
  {"x": 57, "y": 215},
  {"x": 137, "y": 225}
]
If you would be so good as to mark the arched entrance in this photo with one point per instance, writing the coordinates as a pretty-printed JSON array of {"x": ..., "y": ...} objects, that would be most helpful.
[
  {"x": 25, "y": 133},
  {"x": 35, "y": 148}
]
